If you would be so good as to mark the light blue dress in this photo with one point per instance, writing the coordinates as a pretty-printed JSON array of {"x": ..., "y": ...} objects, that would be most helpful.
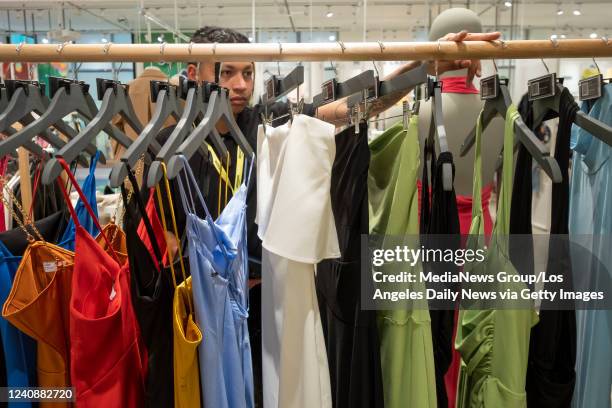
[
  {"x": 19, "y": 349},
  {"x": 218, "y": 263},
  {"x": 89, "y": 190},
  {"x": 591, "y": 216}
]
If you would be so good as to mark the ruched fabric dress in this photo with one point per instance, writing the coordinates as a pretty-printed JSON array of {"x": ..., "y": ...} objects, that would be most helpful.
[{"x": 494, "y": 344}]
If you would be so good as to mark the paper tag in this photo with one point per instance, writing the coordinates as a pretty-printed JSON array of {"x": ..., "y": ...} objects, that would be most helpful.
[
  {"x": 112, "y": 294},
  {"x": 50, "y": 266}
]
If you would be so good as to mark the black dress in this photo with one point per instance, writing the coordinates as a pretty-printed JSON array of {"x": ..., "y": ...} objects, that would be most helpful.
[
  {"x": 152, "y": 291},
  {"x": 351, "y": 335},
  {"x": 439, "y": 227},
  {"x": 552, "y": 350}
]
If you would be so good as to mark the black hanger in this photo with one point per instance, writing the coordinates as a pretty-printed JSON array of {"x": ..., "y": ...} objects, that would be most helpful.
[
  {"x": 115, "y": 100},
  {"x": 333, "y": 90},
  {"x": 438, "y": 130},
  {"x": 541, "y": 107},
  {"x": 196, "y": 107},
  {"x": 167, "y": 104},
  {"x": 495, "y": 91},
  {"x": 219, "y": 108}
]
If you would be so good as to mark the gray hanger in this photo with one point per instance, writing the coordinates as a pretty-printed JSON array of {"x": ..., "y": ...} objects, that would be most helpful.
[
  {"x": 541, "y": 107},
  {"x": 8, "y": 130},
  {"x": 69, "y": 96},
  {"x": 115, "y": 100},
  {"x": 218, "y": 108},
  {"x": 166, "y": 104},
  {"x": 196, "y": 106},
  {"x": 499, "y": 106},
  {"x": 25, "y": 97}
]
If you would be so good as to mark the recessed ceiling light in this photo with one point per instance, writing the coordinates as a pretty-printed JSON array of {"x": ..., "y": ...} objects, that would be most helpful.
[
  {"x": 508, "y": 4},
  {"x": 250, "y": 39},
  {"x": 577, "y": 12},
  {"x": 593, "y": 35},
  {"x": 45, "y": 41},
  {"x": 330, "y": 13},
  {"x": 560, "y": 12},
  {"x": 563, "y": 36},
  {"x": 332, "y": 38},
  {"x": 554, "y": 37},
  {"x": 104, "y": 40}
]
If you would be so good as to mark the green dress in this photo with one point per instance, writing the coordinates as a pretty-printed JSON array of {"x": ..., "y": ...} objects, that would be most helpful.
[
  {"x": 405, "y": 335},
  {"x": 494, "y": 344}
]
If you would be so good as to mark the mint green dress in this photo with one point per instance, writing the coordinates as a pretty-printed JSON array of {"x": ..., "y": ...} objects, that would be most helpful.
[
  {"x": 494, "y": 344},
  {"x": 405, "y": 335}
]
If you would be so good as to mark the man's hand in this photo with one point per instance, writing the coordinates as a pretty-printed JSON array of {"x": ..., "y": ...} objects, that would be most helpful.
[{"x": 473, "y": 66}]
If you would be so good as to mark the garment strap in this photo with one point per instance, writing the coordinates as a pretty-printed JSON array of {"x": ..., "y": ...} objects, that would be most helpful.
[
  {"x": 250, "y": 173},
  {"x": 477, "y": 185},
  {"x": 502, "y": 221},
  {"x": 145, "y": 217},
  {"x": 175, "y": 230},
  {"x": 27, "y": 221},
  {"x": 191, "y": 180},
  {"x": 63, "y": 163}
]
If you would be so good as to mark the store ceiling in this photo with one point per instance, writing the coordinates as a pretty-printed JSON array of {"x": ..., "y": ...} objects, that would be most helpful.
[{"x": 386, "y": 19}]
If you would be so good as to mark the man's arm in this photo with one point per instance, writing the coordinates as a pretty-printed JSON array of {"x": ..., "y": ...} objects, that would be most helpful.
[{"x": 337, "y": 112}]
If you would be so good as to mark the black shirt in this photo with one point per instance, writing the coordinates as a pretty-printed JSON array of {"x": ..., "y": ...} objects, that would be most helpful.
[{"x": 208, "y": 179}]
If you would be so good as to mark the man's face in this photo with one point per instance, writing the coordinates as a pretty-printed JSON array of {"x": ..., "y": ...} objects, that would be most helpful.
[{"x": 238, "y": 77}]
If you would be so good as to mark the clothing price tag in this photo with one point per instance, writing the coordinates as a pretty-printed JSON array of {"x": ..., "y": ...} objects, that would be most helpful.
[
  {"x": 541, "y": 87},
  {"x": 50, "y": 266},
  {"x": 590, "y": 88}
]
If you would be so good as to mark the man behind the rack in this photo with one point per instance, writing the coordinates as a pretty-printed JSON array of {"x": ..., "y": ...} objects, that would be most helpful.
[{"x": 239, "y": 78}]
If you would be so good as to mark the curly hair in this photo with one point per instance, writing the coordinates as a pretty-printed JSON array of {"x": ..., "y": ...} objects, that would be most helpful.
[{"x": 214, "y": 34}]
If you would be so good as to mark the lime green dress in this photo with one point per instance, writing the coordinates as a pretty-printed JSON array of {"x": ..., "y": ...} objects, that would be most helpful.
[
  {"x": 405, "y": 335},
  {"x": 494, "y": 344}
]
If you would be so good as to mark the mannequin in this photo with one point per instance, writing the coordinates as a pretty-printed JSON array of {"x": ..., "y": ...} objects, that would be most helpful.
[{"x": 461, "y": 110}]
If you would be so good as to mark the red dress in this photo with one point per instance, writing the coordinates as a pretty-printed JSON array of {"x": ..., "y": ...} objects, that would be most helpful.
[{"x": 108, "y": 360}]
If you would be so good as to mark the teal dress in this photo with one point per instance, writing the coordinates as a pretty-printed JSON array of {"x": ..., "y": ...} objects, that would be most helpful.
[
  {"x": 590, "y": 215},
  {"x": 493, "y": 344}
]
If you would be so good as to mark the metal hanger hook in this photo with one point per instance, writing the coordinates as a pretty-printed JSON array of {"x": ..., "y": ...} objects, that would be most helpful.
[
  {"x": 554, "y": 41},
  {"x": 382, "y": 46},
  {"x": 60, "y": 47},
  {"x": 77, "y": 68},
  {"x": 596, "y": 66},
  {"x": 190, "y": 48},
  {"x": 342, "y": 46},
  {"x": 19, "y": 47},
  {"x": 545, "y": 66},
  {"x": 495, "y": 66},
  {"x": 106, "y": 48},
  {"x": 605, "y": 39}
]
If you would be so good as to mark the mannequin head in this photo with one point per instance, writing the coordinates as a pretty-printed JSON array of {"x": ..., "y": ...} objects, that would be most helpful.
[{"x": 454, "y": 20}]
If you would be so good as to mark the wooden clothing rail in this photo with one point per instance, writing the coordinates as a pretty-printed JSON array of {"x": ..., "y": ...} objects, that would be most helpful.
[{"x": 336, "y": 51}]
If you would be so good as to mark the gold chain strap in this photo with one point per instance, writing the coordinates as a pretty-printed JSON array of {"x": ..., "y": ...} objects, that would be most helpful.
[{"x": 26, "y": 218}]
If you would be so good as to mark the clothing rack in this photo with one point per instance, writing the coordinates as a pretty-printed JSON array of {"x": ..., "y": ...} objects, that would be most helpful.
[{"x": 337, "y": 51}]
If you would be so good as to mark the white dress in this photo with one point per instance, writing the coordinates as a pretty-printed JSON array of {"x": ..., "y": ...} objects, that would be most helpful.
[{"x": 296, "y": 225}]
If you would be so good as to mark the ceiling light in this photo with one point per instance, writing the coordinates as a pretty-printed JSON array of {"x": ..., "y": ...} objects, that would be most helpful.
[
  {"x": 330, "y": 13},
  {"x": 250, "y": 39},
  {"x": 563, "y": 36},
  {"x": 559, "y": 12},
  {"x": 593, "y": 35},
  {"x": 554, "y": 37},
  {"x": 160, "y": 39},
  {"x": 332, "y": 38},
  {"x": 45, "y": 41},
  {"x": 577, "y": 11},
  {"x": 508, "y": 4},
  {"x": 104, "y": 40}
]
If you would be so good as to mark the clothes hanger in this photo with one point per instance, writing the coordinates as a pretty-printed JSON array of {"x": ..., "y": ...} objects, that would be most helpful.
[
  {"x": 68, "y": 96},
  {"x": 166, "y": 105},
  {"x": 9, "y": 130},
  {"x": 25, "y": 97},
  {"x": 218, "y": 109},
  {"x": 115, "y": 100},
  {"x": 437, "y": 130},
  {"x": 277, "y": 87},
  {"x": 552, "y": 101},
  {"x": 196, "y": 106},
  {"x": 495, "y": 92}
]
